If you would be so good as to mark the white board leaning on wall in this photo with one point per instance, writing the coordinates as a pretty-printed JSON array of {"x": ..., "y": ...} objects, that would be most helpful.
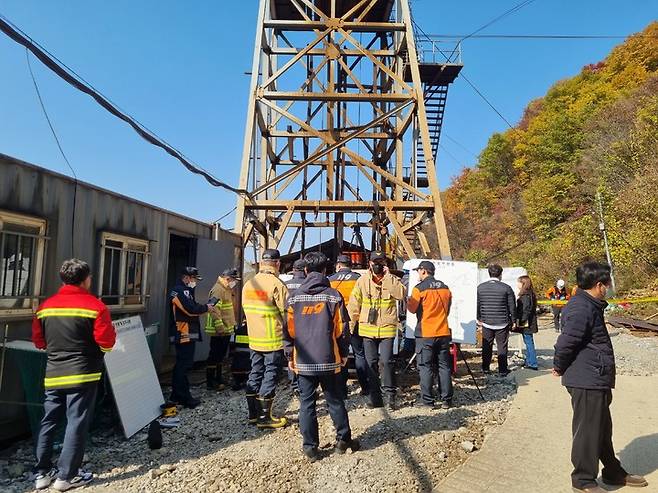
[{"x": 462, "y": 279}]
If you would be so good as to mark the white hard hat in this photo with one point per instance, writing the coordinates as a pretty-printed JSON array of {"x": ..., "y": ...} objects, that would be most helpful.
[{"x": 560, "y": 283}]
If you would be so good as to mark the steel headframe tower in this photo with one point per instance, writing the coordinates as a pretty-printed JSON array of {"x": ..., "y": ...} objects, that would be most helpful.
[{"x": 336, "y": 86}]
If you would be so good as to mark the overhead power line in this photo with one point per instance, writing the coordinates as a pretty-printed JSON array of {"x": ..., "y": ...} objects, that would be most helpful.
[
  {"x": 68, "y": 75},
  {"x": 59, "y": 146},
  {"x": 538, "y": 36}
]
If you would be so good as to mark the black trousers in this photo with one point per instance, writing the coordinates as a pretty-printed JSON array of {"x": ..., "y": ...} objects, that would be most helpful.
[
  {"x": 592, "y": 438},
  {"x": 376, "y": 349},
  {"x": 241, "y": 364},
  {"x": 557, "y": 313},
  {"x": 264, "y": 375},
  {"x": 218, "y": 350},
  {"x": 180, "y": 386},
  {"x": 502, "y": 338},
  {"x": 360, "y": 362},
  {"x": 77, "y": 405},
  {"x": 308, "y": 418},
  {"x": 433, "y": 357}
]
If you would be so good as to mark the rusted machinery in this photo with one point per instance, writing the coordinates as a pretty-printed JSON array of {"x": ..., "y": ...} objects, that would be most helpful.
[{"x": 342, "y": 130}]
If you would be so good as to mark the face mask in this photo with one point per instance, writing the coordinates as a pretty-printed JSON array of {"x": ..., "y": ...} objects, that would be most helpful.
[
  {"x": 191, "y": 284},
  {"x": 232, "y": 284},
  {"x": 377, "y": 269}
]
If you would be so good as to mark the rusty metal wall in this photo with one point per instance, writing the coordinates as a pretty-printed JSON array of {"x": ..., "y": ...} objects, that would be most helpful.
[{"x": 37, "y": 192}]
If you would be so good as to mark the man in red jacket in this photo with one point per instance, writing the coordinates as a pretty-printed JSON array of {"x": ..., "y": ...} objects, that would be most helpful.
[{"x": 75, "y": 329}]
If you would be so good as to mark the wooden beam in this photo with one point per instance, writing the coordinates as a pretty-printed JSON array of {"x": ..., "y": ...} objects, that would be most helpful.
[{"x": 340, "y": 205}]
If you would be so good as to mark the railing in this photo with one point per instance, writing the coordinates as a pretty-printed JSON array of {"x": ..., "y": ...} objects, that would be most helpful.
[{"x": 435, "y": 51}]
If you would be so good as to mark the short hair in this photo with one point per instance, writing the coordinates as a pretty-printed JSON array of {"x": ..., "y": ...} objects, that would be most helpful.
[
  {"x": 589, "y": 274},
  {"x": 495, "y": 270},
  {"x": 74, "y": 271},
  {"x": 316, "y": 262}
]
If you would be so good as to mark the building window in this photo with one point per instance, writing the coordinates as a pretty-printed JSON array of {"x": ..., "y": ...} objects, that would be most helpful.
[
  {"x": 123, "y": 270},
  {"x": 22, "y": 246}
]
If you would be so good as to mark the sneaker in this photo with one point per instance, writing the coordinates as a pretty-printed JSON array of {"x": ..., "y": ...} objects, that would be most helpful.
[
  {"x": 446, "y": 404},
  {"x": 43, "y": 480},
  {"x": 81, "y": 479}
]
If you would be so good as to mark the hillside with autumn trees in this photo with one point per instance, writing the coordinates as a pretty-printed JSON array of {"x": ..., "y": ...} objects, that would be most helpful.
[{"x": 531, "y": 199}]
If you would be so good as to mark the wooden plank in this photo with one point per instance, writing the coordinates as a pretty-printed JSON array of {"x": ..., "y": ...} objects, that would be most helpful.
[{"x": 340, "y": 205}]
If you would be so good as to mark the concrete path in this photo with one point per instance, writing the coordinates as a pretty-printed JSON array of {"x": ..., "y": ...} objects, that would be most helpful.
[{"x": 530, "y": 451}]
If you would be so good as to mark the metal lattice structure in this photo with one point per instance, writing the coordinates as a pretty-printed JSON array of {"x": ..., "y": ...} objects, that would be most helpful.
[{"x": 342, "y": 129}]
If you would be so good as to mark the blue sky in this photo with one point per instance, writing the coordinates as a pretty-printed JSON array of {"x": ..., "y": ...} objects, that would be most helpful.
[{"x": 178, "y": 67}]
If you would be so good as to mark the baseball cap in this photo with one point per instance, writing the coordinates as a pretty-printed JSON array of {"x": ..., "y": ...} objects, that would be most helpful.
[
  {"x": 426, "y": 265},
  {"x": 377, "y": 256},
  {"x": 560, "y": 283},
  {"x": 299, "y": 264},
  {"x": 271, "y": 254},
  {"x": 344, "y": 259},
  {"x": 232, "y": 273},
  {"x": 192, "y": 272}
]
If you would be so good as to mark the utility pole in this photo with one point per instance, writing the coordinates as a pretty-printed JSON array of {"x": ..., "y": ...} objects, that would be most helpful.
[{"x": 605, "y": 239}]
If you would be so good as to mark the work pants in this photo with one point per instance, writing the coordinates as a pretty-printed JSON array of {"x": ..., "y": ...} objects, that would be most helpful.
[
  {"x": 360, "y": 363},
  {"x": 502, "y": 338},
  {"x": 374, "y": 350},
  {"x": 308, "y": 418},
  {"x": 180, "y": 385},
  {"x": 265, "y": 368},
  {"x": 592, "y": 438},
  {"x": 433, "y": 354},
  {"x": 77, "y": 404},
  {"x": 292, "y": 378},
  {"x": 557, "y": 313},
  {"x": 218, "y": 349}
]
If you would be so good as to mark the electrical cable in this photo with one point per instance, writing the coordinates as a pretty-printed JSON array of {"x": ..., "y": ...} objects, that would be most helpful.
[
  {"x": 59, "y": 146},
  {"x": 227, "y": 214},
  {"x": 539, "y": 36},
  {"x": 78, "y": 82},
  {"x": 459, "y": 144}
]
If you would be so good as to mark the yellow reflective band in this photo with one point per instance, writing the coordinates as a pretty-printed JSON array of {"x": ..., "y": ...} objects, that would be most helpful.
[
  {"x": 67, "y": 312},
  {"x": 241, "y": 339},
  {"x": 71, "y": 380},
  {"x": 378, "y": 302},
  {"x": 367, "y": 330},
  {"x": 105, "y": 350},
  {"x": 260, "y": 309}
]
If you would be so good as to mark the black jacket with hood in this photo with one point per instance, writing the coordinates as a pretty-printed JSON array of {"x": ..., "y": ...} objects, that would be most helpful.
[{"x": 317, "y": 336}]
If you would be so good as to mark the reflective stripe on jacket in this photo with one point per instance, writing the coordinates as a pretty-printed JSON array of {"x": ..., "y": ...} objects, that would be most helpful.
[
  {"x": 383, "y": 299},
  {"x": 75, "y": 329},
  {"x": 225, "y": 324},
  {"x": 263, "y": 303}
]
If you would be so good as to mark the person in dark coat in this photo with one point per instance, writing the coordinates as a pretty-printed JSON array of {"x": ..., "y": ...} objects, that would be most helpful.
[
  {"x": 317, "y": 340},
  {"x": 585, "y": 360},
  {"x": 496, "y": 313},
  {"x": 526, "y": 319}
]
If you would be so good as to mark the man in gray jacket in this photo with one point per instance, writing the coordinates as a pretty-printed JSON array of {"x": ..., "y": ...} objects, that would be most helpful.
[{"x": 496, "y": 309}]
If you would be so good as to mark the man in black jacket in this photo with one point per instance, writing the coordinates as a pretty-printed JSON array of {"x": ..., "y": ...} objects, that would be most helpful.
[
  {"x": 496, "y": 310},
  {"x": 585, "y": 359}
]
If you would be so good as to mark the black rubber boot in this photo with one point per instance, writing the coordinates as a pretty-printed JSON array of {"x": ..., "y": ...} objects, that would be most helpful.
[
  {"x": 253, "y": 407},
  {"x": 265, "y": 419},
  {"x": 219, "y": 381},
  {"x": 211, "y": 381},
  {"x": 390, "y": 401}
]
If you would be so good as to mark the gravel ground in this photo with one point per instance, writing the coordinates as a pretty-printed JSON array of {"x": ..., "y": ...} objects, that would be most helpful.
[
  {"x": 214, "y": 449},
  {"x": 635, "y": 354},
  {"x": 411, "y": 448}
]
